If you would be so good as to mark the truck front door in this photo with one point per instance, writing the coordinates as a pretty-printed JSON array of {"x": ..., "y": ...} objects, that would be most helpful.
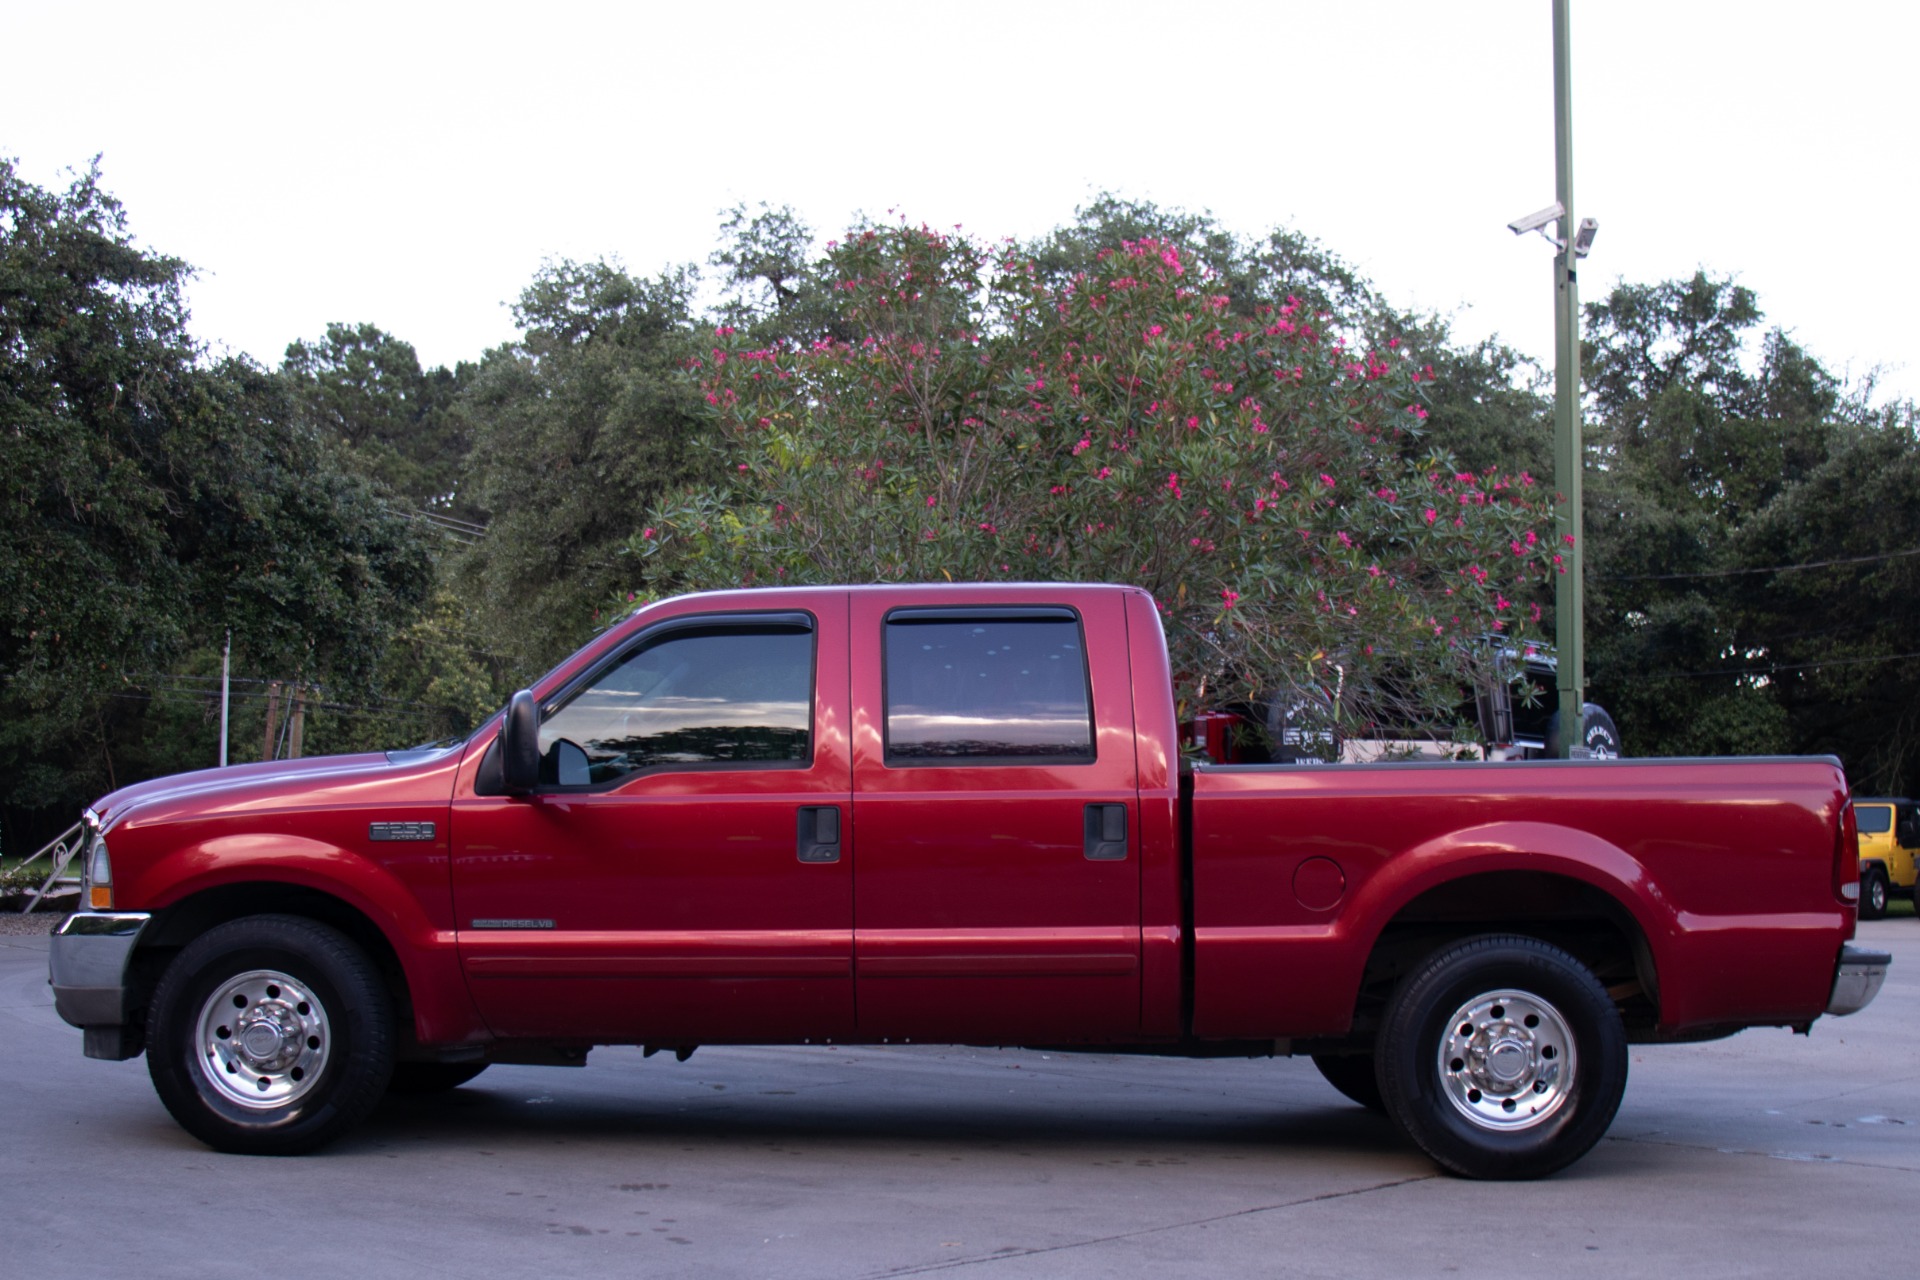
[{"x": 679, "y": 876}]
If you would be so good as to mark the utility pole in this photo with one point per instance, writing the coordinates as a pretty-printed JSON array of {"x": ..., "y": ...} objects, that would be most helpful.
[
  {"x": 1570, "y": 596},
  {"x": 226, "y": 668}
]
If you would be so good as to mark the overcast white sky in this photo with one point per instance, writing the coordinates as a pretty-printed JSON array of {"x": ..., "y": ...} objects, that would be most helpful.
[{"x": 411, "y": 165}]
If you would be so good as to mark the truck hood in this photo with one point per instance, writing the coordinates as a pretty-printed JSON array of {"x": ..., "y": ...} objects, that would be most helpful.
[{"x": 262, "y": 785}]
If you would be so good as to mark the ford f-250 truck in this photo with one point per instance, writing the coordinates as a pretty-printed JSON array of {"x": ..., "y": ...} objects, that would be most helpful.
[{"x": 950, "y": 814}]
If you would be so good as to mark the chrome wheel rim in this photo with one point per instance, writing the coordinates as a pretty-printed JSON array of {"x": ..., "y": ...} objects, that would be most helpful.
[
  {"x": 262, "y": 1039},
  {"x": 1507, "y": 1061}
]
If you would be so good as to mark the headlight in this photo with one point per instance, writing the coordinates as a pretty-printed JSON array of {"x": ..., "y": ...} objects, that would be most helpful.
[{"x": 99, "y": 876}]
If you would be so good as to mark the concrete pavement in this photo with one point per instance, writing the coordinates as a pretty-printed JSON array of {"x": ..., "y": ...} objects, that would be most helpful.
[{"x": 1766, "y": 1154}]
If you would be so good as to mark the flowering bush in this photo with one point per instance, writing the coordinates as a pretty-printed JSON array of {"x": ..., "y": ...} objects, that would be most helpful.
[{"x": 1258, "y": 469}]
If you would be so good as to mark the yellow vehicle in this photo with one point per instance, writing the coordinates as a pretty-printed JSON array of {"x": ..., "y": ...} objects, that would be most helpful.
[{"x": 1889, "y": 850}]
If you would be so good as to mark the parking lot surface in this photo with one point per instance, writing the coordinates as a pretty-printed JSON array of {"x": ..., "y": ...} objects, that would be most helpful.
[{"x": 1765, "y": 1154}]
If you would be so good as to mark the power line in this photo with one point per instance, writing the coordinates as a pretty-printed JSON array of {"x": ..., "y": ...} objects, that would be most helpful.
[{"x": 1732, "y": 573}]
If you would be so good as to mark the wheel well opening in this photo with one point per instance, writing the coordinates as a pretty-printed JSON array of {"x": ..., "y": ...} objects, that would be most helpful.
[
  {"x": 175, "y": 926},
  {"x": 1583, "y": 921}
]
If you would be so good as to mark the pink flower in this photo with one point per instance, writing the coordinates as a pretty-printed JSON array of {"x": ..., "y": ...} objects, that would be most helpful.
[
  {"x": 1086, "y": 443},
  {"x": 1326, "y": 480},
  {"x": 929, "y": 499},
  {"x": 1103, "y": 473},
  {"x": 1431, "y": 515},
  {"x": 1173, "y": 484},
  {"x": 647, "y": 533},
  {"x": 1230, "y": 596}
]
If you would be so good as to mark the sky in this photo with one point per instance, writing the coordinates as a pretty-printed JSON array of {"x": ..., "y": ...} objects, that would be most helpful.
[{"x": 413, "y": 165}]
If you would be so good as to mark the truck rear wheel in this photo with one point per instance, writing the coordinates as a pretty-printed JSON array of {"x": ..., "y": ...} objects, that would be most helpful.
[
  {"x": 1873, "y": 893},
  {"x": 270, "y": 1035},
  {"x": 1502, "y": 1057}
]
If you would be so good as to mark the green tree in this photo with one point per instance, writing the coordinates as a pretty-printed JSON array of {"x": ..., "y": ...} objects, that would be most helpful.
[
  {"x": 154, "y": 501},
  {"x": 1723, "y": 455},
  {"x": 577, "y": 428},
  {"x": 996, "y": 417},
  {"x": 366, "y": 390}
]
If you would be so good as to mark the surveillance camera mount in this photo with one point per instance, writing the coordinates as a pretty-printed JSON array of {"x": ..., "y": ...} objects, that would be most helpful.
[{"x": 1545, "y": 218}]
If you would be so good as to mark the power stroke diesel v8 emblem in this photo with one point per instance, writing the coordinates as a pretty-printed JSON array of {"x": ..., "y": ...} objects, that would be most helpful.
[{"x": 400, "y": 831}]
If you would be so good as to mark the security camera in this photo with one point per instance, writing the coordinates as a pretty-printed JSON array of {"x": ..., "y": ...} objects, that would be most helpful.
[
  {"x": 1583, "y": 238},
  {"x": 1535, "y": 221}
]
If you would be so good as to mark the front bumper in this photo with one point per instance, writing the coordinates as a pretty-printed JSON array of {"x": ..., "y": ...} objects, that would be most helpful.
[
  {"x": 87, "y": 966},
  {"x": 1857, "y": 978}
]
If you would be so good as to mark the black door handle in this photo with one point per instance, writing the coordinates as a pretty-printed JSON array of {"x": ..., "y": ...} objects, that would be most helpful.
[
  {"x": 1106, "y": 832},
  {"x": 819, "y": 833}
]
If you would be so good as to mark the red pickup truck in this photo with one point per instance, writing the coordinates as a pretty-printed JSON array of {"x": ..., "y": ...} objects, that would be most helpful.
[{"x": 951, "y": 814}]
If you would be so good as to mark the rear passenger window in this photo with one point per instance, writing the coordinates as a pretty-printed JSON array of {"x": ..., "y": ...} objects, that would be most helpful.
[{"x": 1006, "y": 686}]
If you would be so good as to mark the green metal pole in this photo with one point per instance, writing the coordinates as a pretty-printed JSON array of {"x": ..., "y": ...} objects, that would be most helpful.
[{"x": 1569, "y": 598}]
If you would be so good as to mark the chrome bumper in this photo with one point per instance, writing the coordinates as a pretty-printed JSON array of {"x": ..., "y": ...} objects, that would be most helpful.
[
  {"x": 87, "y": 965},
  {"x": 1856, "y": 979}
]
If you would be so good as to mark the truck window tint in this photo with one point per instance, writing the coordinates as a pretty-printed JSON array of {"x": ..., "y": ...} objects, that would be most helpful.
[
  {"x": 741, "y": 696},
  {"x": 987, "y": 689},
  {"x": 1873, "y": 819}
]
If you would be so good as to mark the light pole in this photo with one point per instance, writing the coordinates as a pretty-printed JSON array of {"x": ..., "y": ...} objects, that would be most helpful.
[{"x": 1571, "y": 244}]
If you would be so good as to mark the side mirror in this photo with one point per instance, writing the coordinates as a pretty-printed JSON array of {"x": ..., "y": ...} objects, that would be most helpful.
[{"x": 520, "y": 745}]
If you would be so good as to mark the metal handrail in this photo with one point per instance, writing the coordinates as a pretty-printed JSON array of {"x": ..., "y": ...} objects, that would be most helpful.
[{"x": 62, "y": 849}]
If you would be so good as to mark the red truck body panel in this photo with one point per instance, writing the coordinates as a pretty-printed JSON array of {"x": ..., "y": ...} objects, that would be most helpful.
[
  {"x": 1297, "y": 868},
  {"x": 963, "y": 904}
]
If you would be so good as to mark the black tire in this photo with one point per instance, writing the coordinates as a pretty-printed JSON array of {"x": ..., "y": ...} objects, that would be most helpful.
[
  {"x": 1353, "y": 1075},
  {"x": 303, "y": 1056},
  {"x": 1598, "y": 734},
  {"x": 1873, "y": 893},
  {"x": 414, "y": 1078},
  {"x": 1538, "y": 1065}
]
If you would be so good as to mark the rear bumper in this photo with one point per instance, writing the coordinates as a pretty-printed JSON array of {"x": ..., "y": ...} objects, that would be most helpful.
[
  {"x": 1856, "y": 978},
  {"x": 87, "y": 966}
]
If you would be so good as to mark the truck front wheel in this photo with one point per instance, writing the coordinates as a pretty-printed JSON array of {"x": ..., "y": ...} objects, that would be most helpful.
[
  {"x": 1502, "y": 1057},
  {"x": 270, "y": 1035}
]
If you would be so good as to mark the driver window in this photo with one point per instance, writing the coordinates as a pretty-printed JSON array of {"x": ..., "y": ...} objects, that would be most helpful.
[{"x": 739, "y": 696}]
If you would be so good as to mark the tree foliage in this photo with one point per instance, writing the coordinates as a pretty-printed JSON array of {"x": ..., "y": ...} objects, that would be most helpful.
[
  {"x": 153, "y": 501},
  {"x": 1752, "y": 524},
  {"x": 993, "y": 416},
  {"x": 365, "y": 389},
  {"x": 577, "y": 428},
  {"x": 1330, "y": 498}
]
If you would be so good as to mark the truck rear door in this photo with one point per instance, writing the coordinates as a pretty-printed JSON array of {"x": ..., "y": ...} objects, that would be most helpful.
[{"x": 996, "y": 818}]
